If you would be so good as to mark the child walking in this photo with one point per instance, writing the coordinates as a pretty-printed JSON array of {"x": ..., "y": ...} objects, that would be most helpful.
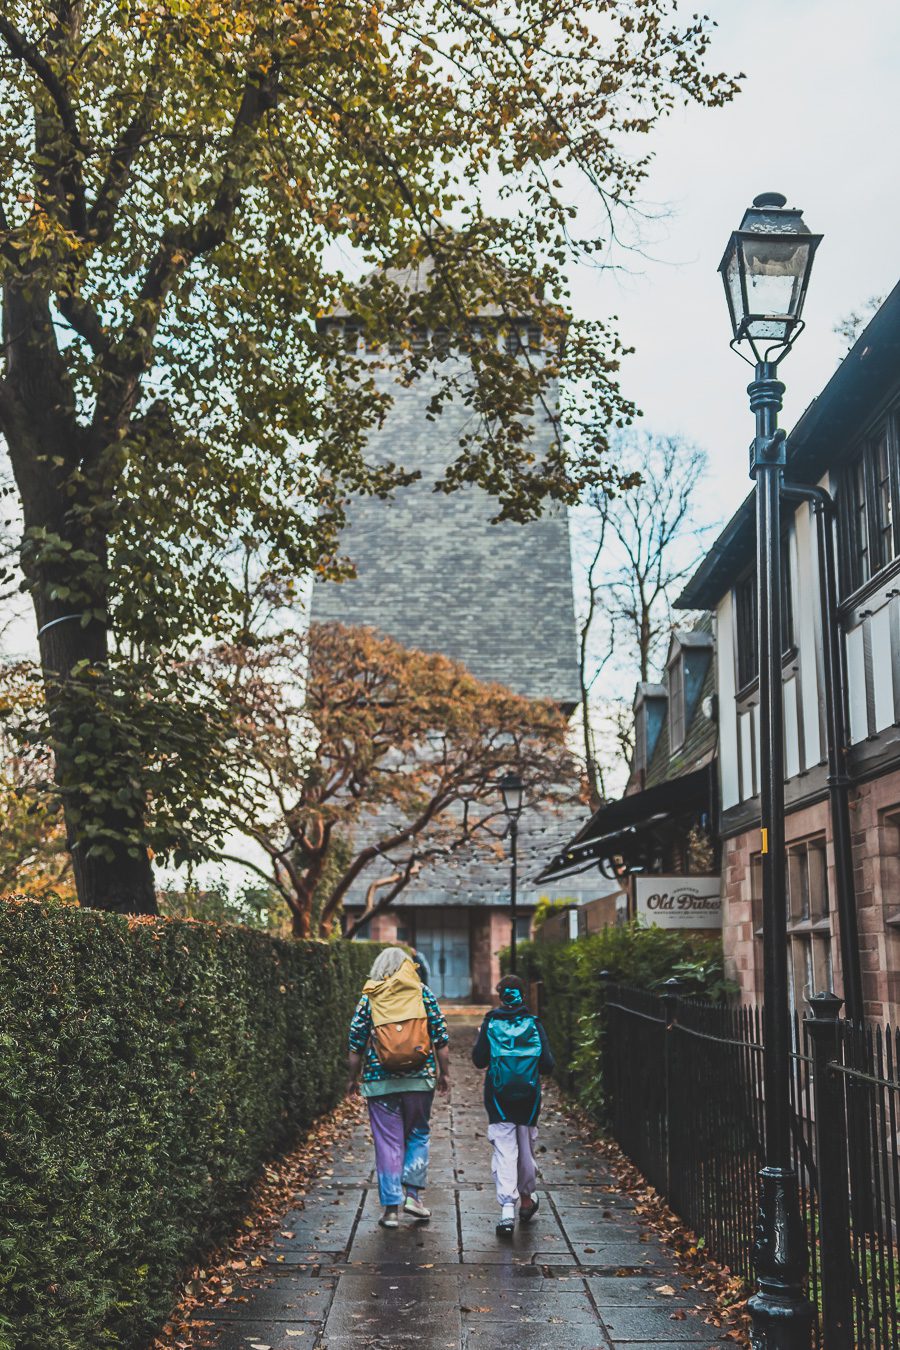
[
  {"x": 512, "y": 1046},
  {"x": 398, "y": 1041}
]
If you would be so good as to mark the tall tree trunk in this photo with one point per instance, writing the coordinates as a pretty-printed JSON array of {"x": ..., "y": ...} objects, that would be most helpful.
[
  {"x": 645, "y": 636},
  {"x": 120, "y": 877},
  {"x": 47, "y": 448},
  {"x": 300, "y": 925},
  {"x": 112, "y": 873},
  {"x": 592, "y": 769}
]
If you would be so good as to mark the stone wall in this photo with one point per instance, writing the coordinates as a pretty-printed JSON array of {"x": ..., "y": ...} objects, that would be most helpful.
[{"x": 434, "y": 571}]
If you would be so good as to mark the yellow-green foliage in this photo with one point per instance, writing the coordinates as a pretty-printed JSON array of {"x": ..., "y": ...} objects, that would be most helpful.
[
  {"x": 147, "y": 1068},
  {"x": 546, "y": 907}
]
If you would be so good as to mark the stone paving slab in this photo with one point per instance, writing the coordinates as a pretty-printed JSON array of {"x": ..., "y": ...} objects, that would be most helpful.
[
  {"x": 626, "y": 1325},
  {"x": 584, "y": 1275},
  {"x": 268, "y": 1335},
  {"x": 491, "y": 1304},
  {"x": 638, "y": 1291},
  {"x": 285, "y": 1300}
]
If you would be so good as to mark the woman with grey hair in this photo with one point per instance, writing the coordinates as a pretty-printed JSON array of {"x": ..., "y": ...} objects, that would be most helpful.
[{"x": 398, "y": 1040}]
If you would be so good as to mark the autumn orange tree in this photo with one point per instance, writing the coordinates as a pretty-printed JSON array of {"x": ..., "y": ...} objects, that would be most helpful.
[
  {"x": 33, "y": 855},
  {"x": 374, "y": 764},
  {"x": 174, "y": 175}
]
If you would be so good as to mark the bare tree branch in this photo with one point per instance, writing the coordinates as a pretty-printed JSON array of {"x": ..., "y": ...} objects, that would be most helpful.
[{"x": 639, "y": 550}]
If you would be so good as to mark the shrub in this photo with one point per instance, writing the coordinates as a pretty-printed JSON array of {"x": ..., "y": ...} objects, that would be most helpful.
[
  {"x": 546, "y": 907},
  {"x": 147, "y": 1068},
  {"x": 573, "y": 989}
]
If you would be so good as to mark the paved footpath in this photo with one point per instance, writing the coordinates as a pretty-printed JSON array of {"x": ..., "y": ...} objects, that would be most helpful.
[{"x": 585, "y": 1275}]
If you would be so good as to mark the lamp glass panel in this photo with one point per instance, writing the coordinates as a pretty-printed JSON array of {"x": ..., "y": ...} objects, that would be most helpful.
[
  {"x": 775, "y": 272},
  {"x": 734, "y": 292},
  {"x": 512, "y": 796}
]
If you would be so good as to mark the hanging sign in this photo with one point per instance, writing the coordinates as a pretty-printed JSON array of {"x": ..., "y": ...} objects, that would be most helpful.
[{"x": 679, "y": 902}]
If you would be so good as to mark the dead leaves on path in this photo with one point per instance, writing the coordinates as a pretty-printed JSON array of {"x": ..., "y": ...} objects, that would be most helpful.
[{"x": 726, "y": 1291}]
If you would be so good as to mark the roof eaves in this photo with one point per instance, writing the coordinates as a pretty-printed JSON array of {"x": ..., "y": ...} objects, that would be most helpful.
[{"x": 816, "y": 441}]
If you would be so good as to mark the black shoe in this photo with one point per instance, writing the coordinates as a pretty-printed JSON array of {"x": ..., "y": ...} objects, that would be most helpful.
[
  {"x": 506, "y": 1228},
  {"x": 527, "y": 1210}
]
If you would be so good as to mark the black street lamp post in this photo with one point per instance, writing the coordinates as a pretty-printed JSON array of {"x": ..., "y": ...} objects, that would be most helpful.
[
  {"x": 766, "y": 271},
  {"x": 512, "y": 789}
]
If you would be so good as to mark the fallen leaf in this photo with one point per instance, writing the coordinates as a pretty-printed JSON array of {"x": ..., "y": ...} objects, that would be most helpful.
[{"x": 665, "y": 1289}]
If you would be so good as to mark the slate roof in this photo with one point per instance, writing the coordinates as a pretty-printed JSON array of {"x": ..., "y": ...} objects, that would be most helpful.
[
  {"x": 436, "y": 575},
  {"x": 482, "y": 878}
]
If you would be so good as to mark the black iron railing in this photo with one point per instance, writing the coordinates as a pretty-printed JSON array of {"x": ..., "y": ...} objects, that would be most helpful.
[
  {"x": 867, "y": 1070},
  {"x": 684, "y": 1090}
]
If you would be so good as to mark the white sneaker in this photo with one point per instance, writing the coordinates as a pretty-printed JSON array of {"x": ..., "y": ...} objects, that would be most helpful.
[{"x": 415, "y": 1209}]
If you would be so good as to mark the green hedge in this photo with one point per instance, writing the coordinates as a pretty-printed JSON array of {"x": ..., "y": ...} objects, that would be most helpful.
[
  {"x": 147, "y": 1068},
  {"x": 572, "y": 995}
]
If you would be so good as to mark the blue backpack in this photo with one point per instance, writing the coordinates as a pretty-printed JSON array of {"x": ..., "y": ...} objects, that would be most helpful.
[{"x": 514, "y": 1072}]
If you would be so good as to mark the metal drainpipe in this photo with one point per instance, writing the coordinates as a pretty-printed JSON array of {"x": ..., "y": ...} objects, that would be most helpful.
[{"x": 839, "y": 781}]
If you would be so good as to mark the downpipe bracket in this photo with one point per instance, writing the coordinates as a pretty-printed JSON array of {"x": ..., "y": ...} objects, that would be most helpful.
[{"x": 768, "y": 450}]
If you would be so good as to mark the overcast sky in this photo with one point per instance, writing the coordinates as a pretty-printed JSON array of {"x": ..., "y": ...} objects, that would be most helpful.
[{"x": 818, "y": 120}]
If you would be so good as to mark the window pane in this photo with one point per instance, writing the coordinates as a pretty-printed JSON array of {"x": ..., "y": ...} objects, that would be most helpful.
[
  {"x": 787, "y": 606},
  {"x": 676, "y": 703},
  {"x": 859, "y": 529},
  {"x": 818, "y": 881},
  {"x": 809, "y": 976},
  {"x": 884, "y": 499},
  {"x": 862, "y": 526},
  {"x": 823, "y": 974},
  {"x": 747, "y": 653}
]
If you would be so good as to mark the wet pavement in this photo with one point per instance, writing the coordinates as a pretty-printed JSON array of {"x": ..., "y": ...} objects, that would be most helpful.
[{"x": 584, "y": 1275}]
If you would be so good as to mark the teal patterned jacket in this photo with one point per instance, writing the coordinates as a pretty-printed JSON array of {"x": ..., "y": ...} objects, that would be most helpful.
[{"x": 376, "y": 1080}]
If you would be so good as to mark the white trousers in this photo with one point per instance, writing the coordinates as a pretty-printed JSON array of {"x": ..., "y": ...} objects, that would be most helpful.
[{"x": 513, "y": 1160}]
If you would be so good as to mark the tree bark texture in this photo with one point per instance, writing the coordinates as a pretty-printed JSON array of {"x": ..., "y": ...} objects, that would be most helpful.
[{"x": 47, "y": 444}]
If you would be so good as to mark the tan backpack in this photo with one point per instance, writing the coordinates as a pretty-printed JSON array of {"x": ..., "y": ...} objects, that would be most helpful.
[
  {"x": 400, "y": 1033},
  {"x": 402, "y": 1047}
]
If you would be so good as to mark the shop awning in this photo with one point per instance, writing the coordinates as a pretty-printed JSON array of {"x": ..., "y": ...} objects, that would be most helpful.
[{"x": 613, "y": 824}]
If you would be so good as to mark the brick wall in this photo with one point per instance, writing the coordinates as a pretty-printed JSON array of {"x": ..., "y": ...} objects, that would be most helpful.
[
  {"x": 876, "y": 842},
  {"x": 491, "y": 931},
  {"x": 383, "y": 928},
  {"x": 875, "y": 827}
]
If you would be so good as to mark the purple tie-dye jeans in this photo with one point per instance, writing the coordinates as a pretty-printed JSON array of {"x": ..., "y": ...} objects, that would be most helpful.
[{"x": 401, "y": 1134}]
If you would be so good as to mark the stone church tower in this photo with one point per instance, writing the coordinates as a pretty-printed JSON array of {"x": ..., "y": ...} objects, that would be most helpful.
[{"x": 435, "y": 574}]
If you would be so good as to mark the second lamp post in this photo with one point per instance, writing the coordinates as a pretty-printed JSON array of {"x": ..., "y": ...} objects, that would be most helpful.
[{"x": 512, "y": 790}]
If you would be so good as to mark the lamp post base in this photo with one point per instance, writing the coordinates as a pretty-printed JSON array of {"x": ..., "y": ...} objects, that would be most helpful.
[{"x": 781, "y": 1316}]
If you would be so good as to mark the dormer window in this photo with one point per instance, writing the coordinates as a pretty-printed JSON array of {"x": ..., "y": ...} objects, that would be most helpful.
[
  {"x": 649, "y": 718},
  {"x": 640, "y": 738},
  {"x": 690, "y": 654},
  {"x": 676, "y": 703}
]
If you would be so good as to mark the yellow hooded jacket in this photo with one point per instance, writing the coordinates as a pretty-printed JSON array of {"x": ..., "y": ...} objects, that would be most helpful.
[{"x": 396, "y": 999}]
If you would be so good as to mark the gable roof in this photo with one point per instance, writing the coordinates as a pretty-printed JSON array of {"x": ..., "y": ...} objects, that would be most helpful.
[{"x": 699, "y": 744}]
